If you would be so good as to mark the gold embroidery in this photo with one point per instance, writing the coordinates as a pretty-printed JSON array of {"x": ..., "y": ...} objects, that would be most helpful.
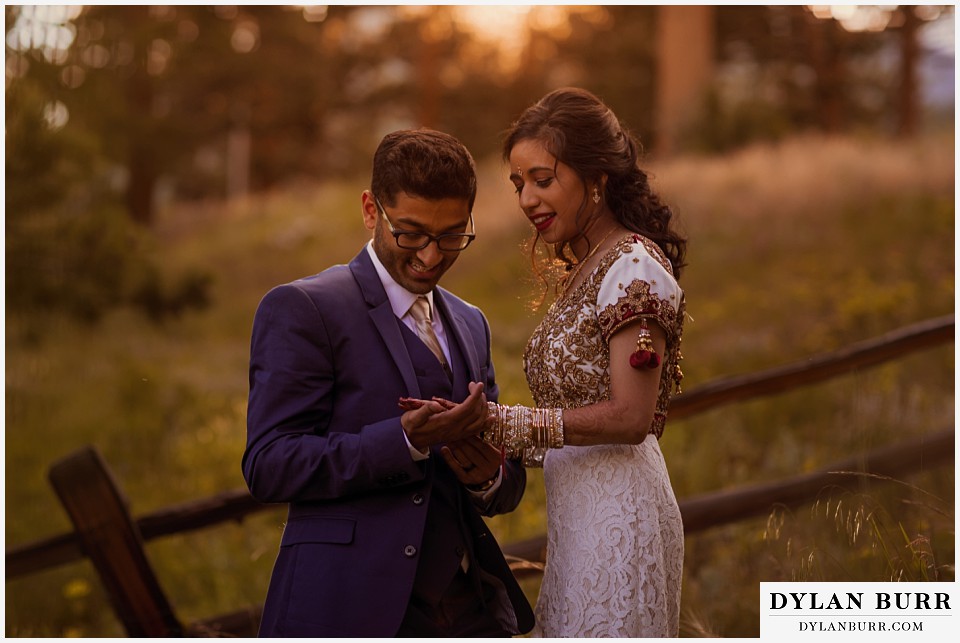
[{"x": 567, "y": 359}]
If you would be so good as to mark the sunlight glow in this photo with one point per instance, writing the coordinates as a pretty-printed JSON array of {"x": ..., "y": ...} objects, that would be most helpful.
[
  {"x": 315, "y": 13},
  {"x": 857, "y": 18},
  {"x": 504, "y": 24},
  {"x": 508, "y": 27},
  {"x": 47, "y": 28}
]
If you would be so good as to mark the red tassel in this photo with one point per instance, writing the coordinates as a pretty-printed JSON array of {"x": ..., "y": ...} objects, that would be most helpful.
[
  {"x": 640, "y": 358},
  {"x": 645, "y": 355}
]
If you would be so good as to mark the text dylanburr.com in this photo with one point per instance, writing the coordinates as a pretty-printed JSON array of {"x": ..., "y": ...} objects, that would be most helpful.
[{"x": 852, "y": 610}]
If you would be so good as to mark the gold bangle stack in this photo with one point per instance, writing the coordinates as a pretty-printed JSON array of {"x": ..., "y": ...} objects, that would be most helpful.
[{"x": 525, "y": 432}]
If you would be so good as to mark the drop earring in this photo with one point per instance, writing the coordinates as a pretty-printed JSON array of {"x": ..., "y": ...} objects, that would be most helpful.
[{"x": 596, "y": 195}]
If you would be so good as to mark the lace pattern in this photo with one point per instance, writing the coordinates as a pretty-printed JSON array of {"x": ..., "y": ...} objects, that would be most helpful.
[{"x": 615, "y": 536}]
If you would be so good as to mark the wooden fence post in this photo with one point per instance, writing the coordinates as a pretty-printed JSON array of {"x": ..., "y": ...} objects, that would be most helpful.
[{"x": 113, "y": 543}]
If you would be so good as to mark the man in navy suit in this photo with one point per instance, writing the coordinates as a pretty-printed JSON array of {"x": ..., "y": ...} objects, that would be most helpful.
[{"x": 384, "y": 535}]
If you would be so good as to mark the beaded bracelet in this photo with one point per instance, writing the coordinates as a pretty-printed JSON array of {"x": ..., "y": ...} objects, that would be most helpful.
[{"x": 524, "y": 432}]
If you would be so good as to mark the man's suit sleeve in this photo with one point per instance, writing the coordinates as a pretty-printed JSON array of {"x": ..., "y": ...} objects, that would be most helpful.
[{"x": 293, "y": 454}]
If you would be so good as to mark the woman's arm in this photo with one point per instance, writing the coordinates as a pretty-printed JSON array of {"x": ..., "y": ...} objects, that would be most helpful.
[{"x": 626, "y": 417}]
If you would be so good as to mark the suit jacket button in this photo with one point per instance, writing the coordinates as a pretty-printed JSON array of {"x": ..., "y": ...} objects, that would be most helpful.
[
  {"x": 460, "y": 551},
  {"x": 418, "y": 498},
  {"x": 409, "y": 551}
]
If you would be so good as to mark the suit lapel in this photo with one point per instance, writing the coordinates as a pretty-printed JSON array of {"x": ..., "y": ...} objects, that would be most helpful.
[
  {"x": 457, "y": 332},
  {"x": 383, "y": 318}
]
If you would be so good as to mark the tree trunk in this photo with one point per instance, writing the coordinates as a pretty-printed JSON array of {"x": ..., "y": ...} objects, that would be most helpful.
[
  {"x": 427, "y": 70},
  {"x": 143, "y": 179},
  {"x": 139, "y": 92},
  {"x": 908, "y": 111},
  {"x": 824, "y": 43},
  {"x": 685, "y": 65}
]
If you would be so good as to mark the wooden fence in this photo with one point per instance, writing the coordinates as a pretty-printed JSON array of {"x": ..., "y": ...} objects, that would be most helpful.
[{"x": 106, "y": 533}]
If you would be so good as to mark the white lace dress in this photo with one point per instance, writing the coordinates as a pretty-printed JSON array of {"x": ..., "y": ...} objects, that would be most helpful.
[{"x": 615, "y": 538}]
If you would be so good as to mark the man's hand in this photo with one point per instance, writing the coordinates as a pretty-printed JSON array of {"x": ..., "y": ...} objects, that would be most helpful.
[
  {"x": 435, "y": 423},
  {"x": 472, "y": 460}
]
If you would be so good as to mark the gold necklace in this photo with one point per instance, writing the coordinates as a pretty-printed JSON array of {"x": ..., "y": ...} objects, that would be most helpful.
[{"x": 568, "y": 281}]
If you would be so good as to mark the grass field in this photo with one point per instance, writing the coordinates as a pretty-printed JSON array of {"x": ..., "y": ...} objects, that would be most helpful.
[{"x": 795, "y": 249}]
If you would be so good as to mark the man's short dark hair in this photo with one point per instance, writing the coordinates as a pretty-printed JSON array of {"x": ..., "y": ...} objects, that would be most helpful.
[{"x": 424, "y": 163}]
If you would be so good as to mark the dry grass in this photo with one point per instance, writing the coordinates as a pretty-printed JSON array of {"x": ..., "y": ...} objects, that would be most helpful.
[
  {"x": 803, "y": 178},
  {"x": 795, "y": 248}
]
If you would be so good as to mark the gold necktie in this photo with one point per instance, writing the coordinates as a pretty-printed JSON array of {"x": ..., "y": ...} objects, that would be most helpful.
[{"x": 420, "y": 310}]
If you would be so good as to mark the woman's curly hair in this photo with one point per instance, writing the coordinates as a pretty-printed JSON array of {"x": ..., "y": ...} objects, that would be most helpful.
[{"x": 583, "y": 133}]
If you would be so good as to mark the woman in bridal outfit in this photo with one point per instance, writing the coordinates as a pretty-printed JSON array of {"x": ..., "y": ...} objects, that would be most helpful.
[{"x": 601, "y": 366}]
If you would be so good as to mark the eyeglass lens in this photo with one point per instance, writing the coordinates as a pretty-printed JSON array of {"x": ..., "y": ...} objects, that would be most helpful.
[{"x": 414, "y": 241}]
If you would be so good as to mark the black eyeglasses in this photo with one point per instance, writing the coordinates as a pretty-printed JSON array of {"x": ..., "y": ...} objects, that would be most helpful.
[{"x": 447, "y": 242}]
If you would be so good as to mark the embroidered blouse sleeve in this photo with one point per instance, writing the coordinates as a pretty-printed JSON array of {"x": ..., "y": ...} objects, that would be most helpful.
[{"x": 639, "y": 285}]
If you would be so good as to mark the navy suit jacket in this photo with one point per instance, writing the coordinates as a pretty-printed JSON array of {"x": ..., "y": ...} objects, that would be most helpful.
[{"x": 328, "y": 365}]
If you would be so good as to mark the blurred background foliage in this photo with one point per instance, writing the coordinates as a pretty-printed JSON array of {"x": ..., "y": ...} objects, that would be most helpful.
[{"x": 166, "y": 165}]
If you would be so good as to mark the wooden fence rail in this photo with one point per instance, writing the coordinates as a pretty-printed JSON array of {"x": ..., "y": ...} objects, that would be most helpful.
[
  {"x": 103, "y": 525},
  {"x": 111, "y": 540},
  {"x": 189, "y": 516},
  {"x": 733, "y": 505},
  {"x": 237, "y": 504},
  {"x": 818, "y": 368}
]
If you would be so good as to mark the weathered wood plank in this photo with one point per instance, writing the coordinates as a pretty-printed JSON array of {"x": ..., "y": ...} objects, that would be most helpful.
[
  {"x": 242, "y": 624},
  {"x": 732, "y": 505},
  {"x": 58, "y": 550},
  {"x": 38, "y": 555},
  {"x": 236, "y": 504},
  {"x": 112, "y": 542},
  {"x": 925, "y": 334},
  {"x": 702, "y": 512}
]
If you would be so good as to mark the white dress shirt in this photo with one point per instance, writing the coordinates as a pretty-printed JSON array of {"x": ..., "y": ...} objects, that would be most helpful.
[{"x": 401, "y": 300}]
